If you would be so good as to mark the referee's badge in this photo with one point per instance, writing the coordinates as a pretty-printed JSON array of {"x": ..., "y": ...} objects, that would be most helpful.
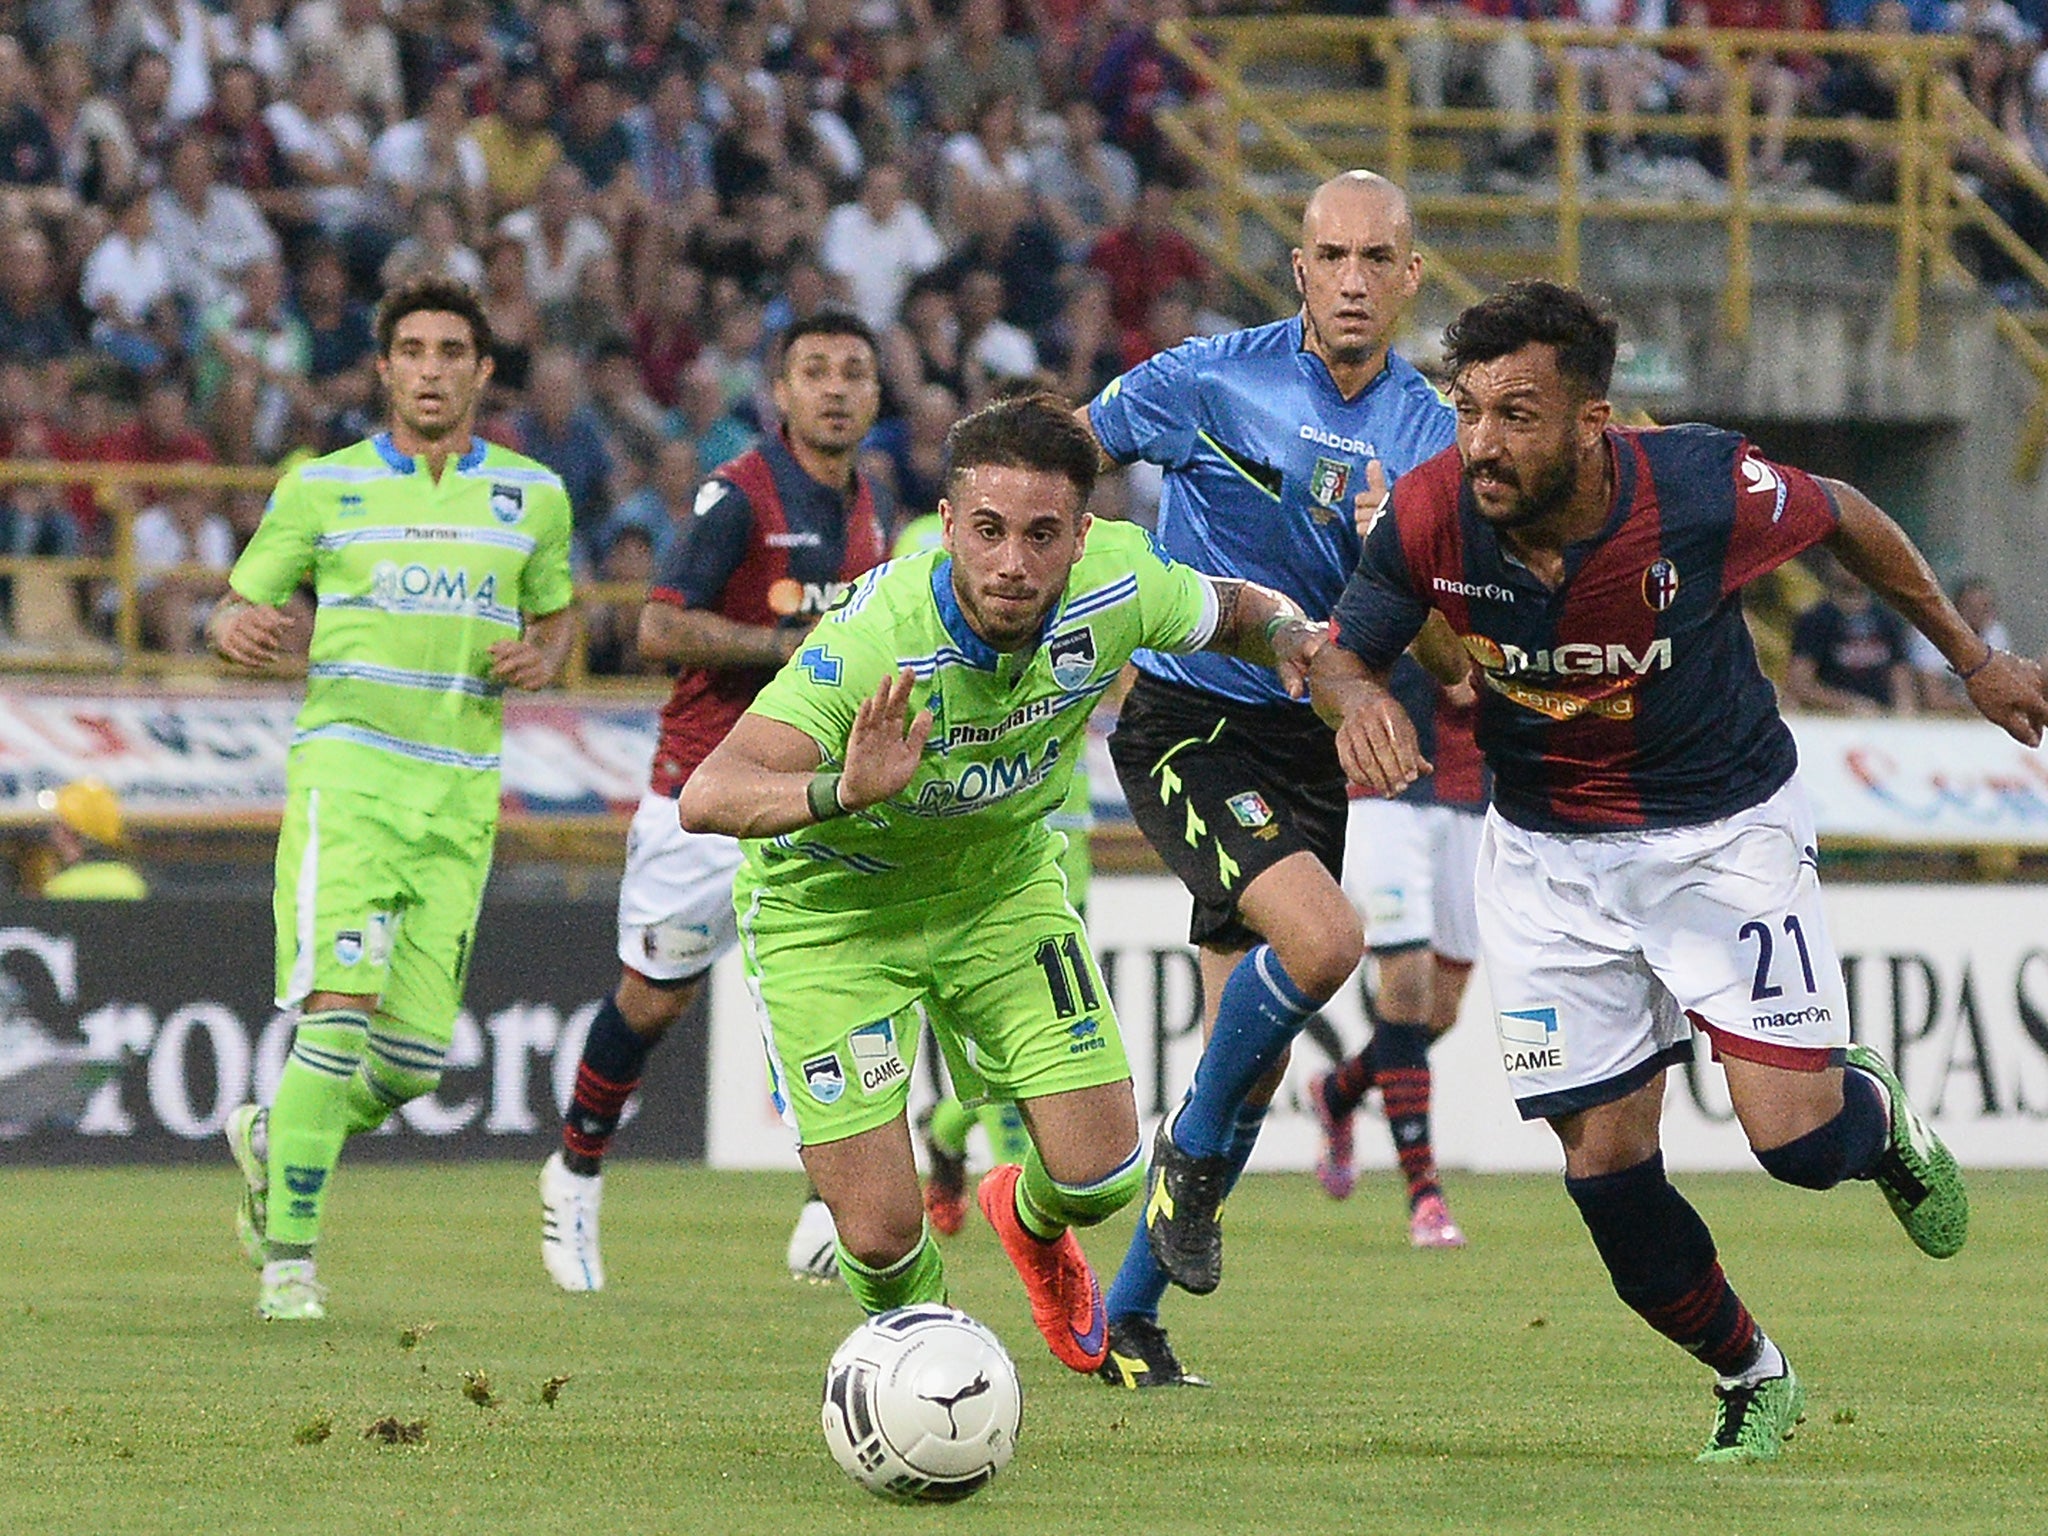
[
  {"x": 1250, "y": 809},
  {"x": 508, "y": 503},
  {"x": 1326, "y": 486},
  {"x": 1660, "y": 585},
  {"x": 1073, "y": 657}
]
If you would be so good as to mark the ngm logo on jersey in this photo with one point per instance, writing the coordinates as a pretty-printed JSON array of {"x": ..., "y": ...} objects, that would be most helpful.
[
  {"x": 789, "y": 598},
  {"x": 124, "y": 1035}
]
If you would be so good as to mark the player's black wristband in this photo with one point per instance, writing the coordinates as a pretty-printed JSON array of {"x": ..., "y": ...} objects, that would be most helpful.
[
  {"x": 823, "y": 797},
  {"x": 1990, "y": 652}
]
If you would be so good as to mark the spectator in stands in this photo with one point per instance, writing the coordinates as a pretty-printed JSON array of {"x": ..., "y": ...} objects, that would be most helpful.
[
  {"x": 1146, "y": 257},
  {"x": 1864, "y": 88},
  {"x": 246, "y": 32},
  {"x": 631, "y": 420},
  {"x": 145, "y": 94},
  {"x": 754, "y": 250},
  {"x": 325, "y": 145},
  {"x": 250, "y": 366},
  {"x": 559, "y": 428},
  {"x": 1941, "y": 691},
  {"x": 1994, "y": 77},
  {"x": 925, "y": 347},
  {"x": 341, "y": 381},
  {"x": 184, "y": 549},
  {"x": 515, "y": 319},
  {"x": 161, "y": 432},
  {"x": 518, "y": 145},
  {"x": 94, "y": 146},
  {"x": 1008, "y": 237},
  {"x": 703, "y": 420},
  {"x": 751, "y": 152},
  {"x": 997, "y": 354},
  {"x": 1169, "y": 322},
  {"x": 1136, "y": 78},
  {"x": 34, "y": 517},
  {"x": 733, "y": 355},
  {"x": 31, "y": 165},
  {"x": 1848, "y": 651},
  {"x": 672, "y": 151},
  {"x": 1503, "y": 73},
  {"x": 558, "y": 235},
  {"x": 987, "y": 161},
  {"x": 126, "y": 284},
  {"x": 660, "y": 509},
  {"x": 1085, "y": 185},
  {"x": 1084, "y": 347},
  {"x": 457, "y": 44},
  {"x": 666, "y": 325},
  {"x": 917, "y": 456},
  {"x": 353, "y": 34},
  {"x": 595, "y": 141},
  {"x": 209, "y": 232},
  {"x": 975, "y": 62},
  {"x": 110, "y": 32},
  {"x": 35, "y": 322},
  {"x": 245, "y": 149},
  {"x": 435, "y": 246},
  {"x": 611, "y": 629},
  {"x": 178, "y": 30},
  {"x": 879, "y": 243},
  {"x": 1779, "y": 85},
  {"x": 431, "y": 155}
]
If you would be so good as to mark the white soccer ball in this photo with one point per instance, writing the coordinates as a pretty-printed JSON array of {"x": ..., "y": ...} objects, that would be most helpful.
[{"x": 922, "y": 1405}]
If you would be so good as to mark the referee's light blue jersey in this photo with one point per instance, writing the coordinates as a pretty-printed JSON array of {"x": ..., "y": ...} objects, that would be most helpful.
[{"x": 1263, "y": 460}]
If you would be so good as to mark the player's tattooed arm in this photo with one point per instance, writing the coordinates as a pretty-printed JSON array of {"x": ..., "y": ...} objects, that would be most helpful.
[
  {"x": 763, "y": 779},
  {"x": 1266, "y": 628},
  {"x": 696, "y": 637},
  {"x": 2006, "y": 689},
  {"x": 1375, "y": 738}
]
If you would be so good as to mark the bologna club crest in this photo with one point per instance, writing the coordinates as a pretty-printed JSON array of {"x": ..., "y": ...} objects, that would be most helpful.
[{"x": 1660, "y": 585}]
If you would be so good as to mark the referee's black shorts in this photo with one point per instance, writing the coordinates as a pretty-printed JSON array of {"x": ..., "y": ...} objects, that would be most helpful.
[{"x": 1223, "y": 791}]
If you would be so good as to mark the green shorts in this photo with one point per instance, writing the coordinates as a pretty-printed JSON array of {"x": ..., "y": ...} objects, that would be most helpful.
[
  {"x": 378, "y": 900},
  {"x": 1008, "y": 984}
]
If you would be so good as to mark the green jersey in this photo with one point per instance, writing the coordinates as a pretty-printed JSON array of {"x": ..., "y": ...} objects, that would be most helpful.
[
  {"x": 415, "y": 580},
  {"x": 1007, "y": 728}
]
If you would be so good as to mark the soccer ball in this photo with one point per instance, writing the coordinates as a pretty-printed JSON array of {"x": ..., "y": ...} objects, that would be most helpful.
[{"x": 922, "y": 1405}]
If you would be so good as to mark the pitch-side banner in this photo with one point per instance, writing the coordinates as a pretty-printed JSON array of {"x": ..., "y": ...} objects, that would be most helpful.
[
  {"x": 173, "y": 755},
  {"x": 129, "y": 1030},
  {"x": 1951, "y": 981}
]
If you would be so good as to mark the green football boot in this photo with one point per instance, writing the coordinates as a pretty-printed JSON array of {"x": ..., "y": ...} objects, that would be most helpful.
[
  {"x": 1753, "y": 1423},
  {"x": 252, "y": 1214},
  {"x": 1917, "y": 1173},
  {"x": 290, "y": 1294}
]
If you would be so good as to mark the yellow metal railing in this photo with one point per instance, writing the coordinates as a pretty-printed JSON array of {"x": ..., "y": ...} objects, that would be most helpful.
[
  {"x": 117, "y": 572},
  {"x": 1384, "y": 128}
]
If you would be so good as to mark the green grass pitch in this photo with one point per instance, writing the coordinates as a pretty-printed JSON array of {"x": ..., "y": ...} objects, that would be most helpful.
[{"x": 1361, "y": 1386}]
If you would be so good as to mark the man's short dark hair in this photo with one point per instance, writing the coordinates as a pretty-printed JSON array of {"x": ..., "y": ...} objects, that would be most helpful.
[
  {"x": 826, "y": 322},
  {"x": 1533, "y": 310},
  {"x": 442, "y": 295},
  {"x": 1031, "y": 431}
]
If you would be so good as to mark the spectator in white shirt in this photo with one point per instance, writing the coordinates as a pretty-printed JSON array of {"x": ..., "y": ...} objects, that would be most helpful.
[
  {"x": 352, "y": 32},
  {"x": 1085, "y": 185},
  {"x": 177, "y": 29},
  {"x": 432, "y": 154},
  {"x": 433, "y": 248},
  {"x": 324, "y": 143},
  {"x": 989, "y": 159},
  {"x": 995, "y": 352},
  {"x": 127, "y": 286},
  {"x": 559, "y": 236},
  {"x": 879, "y": 244},
  {"x": 184, "y": 549},
  {"x": 248, "y": 32},
  {"x": 208, "y": 232}
]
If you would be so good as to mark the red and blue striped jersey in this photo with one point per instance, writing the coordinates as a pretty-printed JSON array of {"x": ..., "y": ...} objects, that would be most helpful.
[{"x": 1630, "y": 696}]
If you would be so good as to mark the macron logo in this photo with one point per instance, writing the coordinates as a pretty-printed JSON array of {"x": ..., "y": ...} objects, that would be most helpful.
[{"x": 1487, "y": 590}]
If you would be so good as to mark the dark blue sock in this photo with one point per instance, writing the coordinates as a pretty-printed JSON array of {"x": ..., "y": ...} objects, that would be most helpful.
[
  {"x": 1140, "y": 1282},
  {"x": 1847, "y": 1147},
  {"x": 1261, "y": 1011}
]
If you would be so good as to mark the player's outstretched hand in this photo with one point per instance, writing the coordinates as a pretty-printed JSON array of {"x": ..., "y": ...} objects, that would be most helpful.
[
  {"x": 1377, "y": 746},
  {"x": 249, "y": 634},
  {"x": 1294, "y": 652},
  {"x": 2008, "y": 692},
  {"x": 521, "y": 664},
  {"x": 1369, "y": 503},
  {"x": 883, "y": 748}
]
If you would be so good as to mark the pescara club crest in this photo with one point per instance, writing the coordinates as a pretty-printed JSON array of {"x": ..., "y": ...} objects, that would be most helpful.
[
  {"x": 508, "y": 503},
  {"x": 1326, "y": 486},
  {"x": 825, "y": 1077},
  {"x": 1660, "y": 585},
  {"x": 1073, "y": 657}
]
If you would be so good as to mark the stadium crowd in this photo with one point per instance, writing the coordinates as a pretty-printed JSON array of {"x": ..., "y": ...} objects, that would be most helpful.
[{"x": 198, "y": 205}]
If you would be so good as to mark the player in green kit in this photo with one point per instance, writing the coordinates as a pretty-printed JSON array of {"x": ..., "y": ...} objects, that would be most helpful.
[
  {"x": 946, "y": 1123},
  {"x": 893, "y": 784},
  {"x": 440, "y": 565}
]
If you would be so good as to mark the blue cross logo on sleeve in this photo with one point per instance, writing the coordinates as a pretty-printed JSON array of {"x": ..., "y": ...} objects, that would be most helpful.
[{"x": 823, "y": 666}]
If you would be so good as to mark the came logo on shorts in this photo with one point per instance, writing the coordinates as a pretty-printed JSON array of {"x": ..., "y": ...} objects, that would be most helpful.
[
  {"x": 825, "y": 1078},
  {"x": 876, "y": 1061},
  {"x": 1530, "y": 1040}
]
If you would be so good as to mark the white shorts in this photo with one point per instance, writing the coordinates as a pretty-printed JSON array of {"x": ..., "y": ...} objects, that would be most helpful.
[
  {"x": 1605, "y": 950},
  {"x": 1408, "y": 869},
  {"x": 675, "y": 899}
]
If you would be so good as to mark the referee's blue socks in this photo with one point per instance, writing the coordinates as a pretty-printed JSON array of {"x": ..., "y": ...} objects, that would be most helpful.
[{"x": 1261, "y": 1011}]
